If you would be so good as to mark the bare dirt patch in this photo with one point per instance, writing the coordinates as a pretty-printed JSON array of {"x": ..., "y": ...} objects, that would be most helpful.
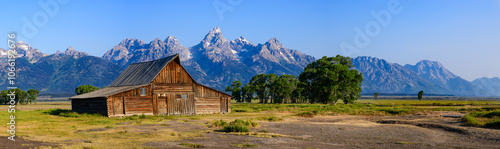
[
  {"x": 349, "y": 132},
  {"x": 23, "y": 144}
]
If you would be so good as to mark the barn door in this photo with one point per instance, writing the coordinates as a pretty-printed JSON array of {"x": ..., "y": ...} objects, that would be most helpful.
[
  {"x": 162, "y": 105},
  {"x": 180, "y": 104},
  {"x": 118, "y": 106}
]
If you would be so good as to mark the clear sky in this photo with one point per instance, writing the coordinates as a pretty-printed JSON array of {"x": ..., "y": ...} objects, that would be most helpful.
[{"x": 464, "y": 35}]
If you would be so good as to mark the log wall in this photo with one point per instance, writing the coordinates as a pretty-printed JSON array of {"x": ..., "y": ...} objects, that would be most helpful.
[
  {"x": 210, "y": 101},
  {"x": 113, "y": 101},
  {"x": 93, "y": 105},
  {"x": 138, "y": 105}
]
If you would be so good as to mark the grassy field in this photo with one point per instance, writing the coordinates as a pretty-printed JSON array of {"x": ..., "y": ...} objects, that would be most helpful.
[{"x": 54, "y": 122}]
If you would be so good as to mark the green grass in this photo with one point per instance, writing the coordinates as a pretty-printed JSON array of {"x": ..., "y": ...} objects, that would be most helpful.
[
  {"x": 270, "y": 118},
  {"x": 219, "y": 123},
  {"x": 239, "y": 125},
  {"x": 489, "y": 119},
  {"x": 369, "y": 107}
]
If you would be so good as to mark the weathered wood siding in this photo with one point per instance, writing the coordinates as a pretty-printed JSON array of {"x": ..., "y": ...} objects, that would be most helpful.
[
  {"x": 93, "y": 105},
  {"x": 139, "y": 105},
  {"x": 176, "y": 104},
  {"x": 119, "y": 101},
  {"x": 173, "y": 73},
  {"x": 210, "y": 101}
]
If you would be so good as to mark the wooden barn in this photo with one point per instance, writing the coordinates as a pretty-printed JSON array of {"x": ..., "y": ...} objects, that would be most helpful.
[{"x": 159, "y": 87}]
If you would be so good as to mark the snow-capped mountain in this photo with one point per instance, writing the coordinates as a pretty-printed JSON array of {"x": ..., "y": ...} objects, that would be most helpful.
[
  {"x": 215, "y": 61},
  {"x": 61, "y": 72}
]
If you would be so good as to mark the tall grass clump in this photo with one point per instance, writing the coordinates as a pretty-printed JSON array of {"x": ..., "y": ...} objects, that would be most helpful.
[
  {"x": 219, "y": 123},
  {"x": 239, "y": 125},
  {"x": 490, "y": 119},
  {"x": 470, "y": 120}
]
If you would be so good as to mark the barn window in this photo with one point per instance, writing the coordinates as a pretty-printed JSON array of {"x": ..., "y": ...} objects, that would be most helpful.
[
  {"x": 181, "y": 96},
  {"x": 143, "y": 91}
]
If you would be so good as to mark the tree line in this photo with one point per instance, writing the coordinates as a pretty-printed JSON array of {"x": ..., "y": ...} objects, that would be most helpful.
[
  {"x": 21, "y": 96},
  {"x": 326, "y": 80}
]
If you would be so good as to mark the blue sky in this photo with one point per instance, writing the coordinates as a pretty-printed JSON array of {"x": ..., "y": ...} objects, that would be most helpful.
[{"x": 464, "y": 35}]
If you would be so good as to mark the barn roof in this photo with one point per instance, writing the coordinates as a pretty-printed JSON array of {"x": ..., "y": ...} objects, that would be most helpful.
[
  {"x": 105, "y": 92},
  {"x": 141, "y": 73}
]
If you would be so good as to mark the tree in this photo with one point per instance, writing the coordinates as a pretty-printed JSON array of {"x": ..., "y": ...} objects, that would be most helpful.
[
  {"x": 32, "y": 95},
  {"x": 3, "y": 97},
  {"x": 271, "y": 78},
  {"x": 20, "y": 96},
  {"x": 375, "y": 96},
  {"x": 247, "y": 92},
  {"x": 420, "y": 94},
  {"x": 85, "y": 89},
  {"x": 259, "y": 84},
  {"x": 235, "y": 90},
  {"x": 283, "y": 88},
  {"x": 330, "y": 79}
]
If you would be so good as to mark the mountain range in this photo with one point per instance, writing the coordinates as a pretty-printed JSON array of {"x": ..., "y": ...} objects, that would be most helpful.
[{"x": 216, "y": 62}]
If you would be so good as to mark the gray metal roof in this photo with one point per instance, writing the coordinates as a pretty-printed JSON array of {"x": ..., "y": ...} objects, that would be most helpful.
[
  {"x": 105, "y": 92},
  {"x": 141, "y": 73}
]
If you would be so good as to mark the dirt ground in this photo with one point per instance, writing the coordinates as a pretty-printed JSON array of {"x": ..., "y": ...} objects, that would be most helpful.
[
  {"x": 428, "y": 131},
  {"x": 337, "y": 131},
  {"x": 20, "y": 143}
]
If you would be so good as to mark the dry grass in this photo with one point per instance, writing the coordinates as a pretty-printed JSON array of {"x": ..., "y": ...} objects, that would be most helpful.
[{"x": 72, "y": 130}]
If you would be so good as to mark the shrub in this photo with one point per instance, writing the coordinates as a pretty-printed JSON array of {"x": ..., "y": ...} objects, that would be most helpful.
[
  {"x": 142, "y": 116},
  {"x": 470, "y": 120},
  {"x": 219, "y": 123},
  {"x": 248, "y": 123},
  {"x": 235, "y": 128}
]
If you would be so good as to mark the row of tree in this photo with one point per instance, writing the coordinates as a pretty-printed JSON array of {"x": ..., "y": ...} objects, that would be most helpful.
[
  {"x": 21, "y": 96},
  {"x": 326, "y": 80},
  {"x": 30, "y": 96}
]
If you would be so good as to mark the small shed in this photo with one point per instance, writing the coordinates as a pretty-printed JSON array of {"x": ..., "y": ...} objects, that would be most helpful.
[{"x": 159, "y": 87}]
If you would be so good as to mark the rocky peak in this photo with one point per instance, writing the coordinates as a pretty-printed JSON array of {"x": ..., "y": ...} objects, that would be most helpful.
[
  {"x": 157, "y": 43},
  {"x": 273, "y": 43},
  {"x": 72, "y": 52},
  {"x": 171, "y": 40},
  {"x": 26, "y": 51},
  {"x": 214, "y": 37},
  {"x": 241, "y": 41},
  {"x": 432, "y": 69},
  {"x": 131, "y": 43}
]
